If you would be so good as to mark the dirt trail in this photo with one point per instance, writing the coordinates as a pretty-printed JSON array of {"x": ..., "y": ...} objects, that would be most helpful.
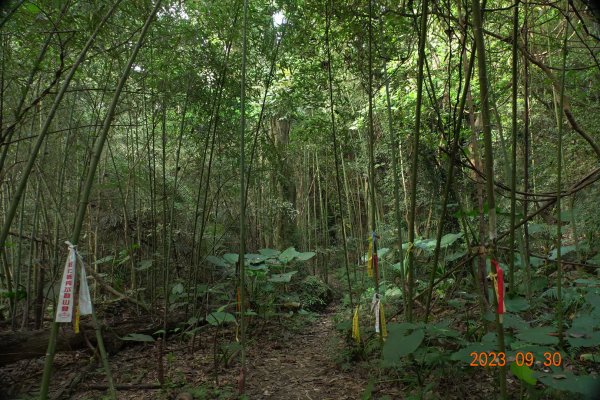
[
  {"x": 281, "y": 364},
  {"x": 302, "y": 366}
]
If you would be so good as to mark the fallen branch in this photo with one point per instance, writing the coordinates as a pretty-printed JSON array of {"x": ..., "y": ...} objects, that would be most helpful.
[{"x": 110, "y": 289}]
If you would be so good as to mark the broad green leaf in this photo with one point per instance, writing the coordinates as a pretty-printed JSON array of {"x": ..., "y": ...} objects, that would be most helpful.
[
  {"x": 288, "y": 255},
  {"x": 382, "y": 252},
  {"x": 219, "y": 317},
  {"x": 104, "y": 260},
  {"x": 515, "y": 322},
  {"x": 455, "y": 256},
  {"x": 593, "y": 299},
  {"x": 269, "y": 252},
  {"x": 425, "y": 244},
  {"x": 563, "y": 251},
  {"x": 516, "y": 304},
  {"x": 124, "y": 260},
  {"x": 393, "y": 292},
  {"x": 523, "y": 347},
  {"x": 567, "y": 382},
  {"x": 594, "y": 260},
  {"x": 587, "y": 340},
  {"x": 540, "y": 335},
  {"x": 584, "y": 323},
  {"x": 588, "y": 282},
  {"x": 403, "y": 328},
  {"x": 490, "y": 338},
  {"x": 345, "y": 325},
  {"x": 255, "y": 258},
  {"x": 567, "y": 215},
  {"x": 397, "y": 346},
  {"x": 259, "y": 267},
  {"x": 144, "y": 265},
  {"x": 231, "y": 258},
  {"x": 30, "y": 8},
  {"x": 305, "y": 256},
  {"x": 532, "y": 229},
  {"x": 397, "y": 267},
  {"x": 524, "y": 373},
  {"x": 218, "y": 261},
  {"x": 464, "y": 354},
  {"x": 536, "y": 261},
  {"x": 449, "y": 238},
  {"x": 177, "y": 288},
  {"x": 282, "y": 278},
  {"x": 441, "y": 329},
  {"x": 138, "y": 337}
]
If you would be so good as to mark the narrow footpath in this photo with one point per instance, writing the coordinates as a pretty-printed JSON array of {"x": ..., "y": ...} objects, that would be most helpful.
[{"x": 302, "y": 366}]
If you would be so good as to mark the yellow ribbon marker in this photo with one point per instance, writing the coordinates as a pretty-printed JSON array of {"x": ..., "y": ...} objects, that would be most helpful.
[
  {"x": 370, "y": 261},
  {"x": 76, "y": 327},
  {"x": 355, "y": 327},
  {"x": 382, "y": 321}
]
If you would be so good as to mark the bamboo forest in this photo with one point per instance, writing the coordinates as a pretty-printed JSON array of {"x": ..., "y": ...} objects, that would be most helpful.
[{"x": 300, "y": 199}]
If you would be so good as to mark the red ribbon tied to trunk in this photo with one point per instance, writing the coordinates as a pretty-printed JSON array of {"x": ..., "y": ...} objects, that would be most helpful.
[{"x": 499, "y": 287}]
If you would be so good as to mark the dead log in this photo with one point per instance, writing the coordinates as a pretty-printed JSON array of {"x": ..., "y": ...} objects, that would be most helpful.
[{"x": 15, "y": 346}]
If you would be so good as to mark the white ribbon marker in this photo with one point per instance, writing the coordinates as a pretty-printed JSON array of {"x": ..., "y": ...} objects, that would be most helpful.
[
  {"x": 85, "y": 300},
  {"x": 64, "y": 311},
  {"x": 375, "y": 303}
]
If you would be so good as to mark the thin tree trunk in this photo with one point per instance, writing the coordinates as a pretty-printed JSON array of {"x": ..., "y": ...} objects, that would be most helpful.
[
  {"x": 513, "y": 175},
  {"x": 242, "y": 267},
  {"x": 335, "y": 152},
  {"x": 415, "y": 159},
  {"x": 78, "y": 224},
  {"x": 561, "y": 101},
  {"x": 489, "y": 161}
]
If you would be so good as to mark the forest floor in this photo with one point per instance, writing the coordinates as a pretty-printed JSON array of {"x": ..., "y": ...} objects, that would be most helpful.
[
  {"x": 302, "y": 366},
  {"x": 288, "y": 358}
]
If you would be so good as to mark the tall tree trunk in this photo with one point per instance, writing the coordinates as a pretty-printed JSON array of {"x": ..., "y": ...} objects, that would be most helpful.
[
  {"x": 415, "y": 160},
  {"x": 87, "y": 188},
  {"x": 489, "y": 161},
  {"x": 336, "y": 157}
]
